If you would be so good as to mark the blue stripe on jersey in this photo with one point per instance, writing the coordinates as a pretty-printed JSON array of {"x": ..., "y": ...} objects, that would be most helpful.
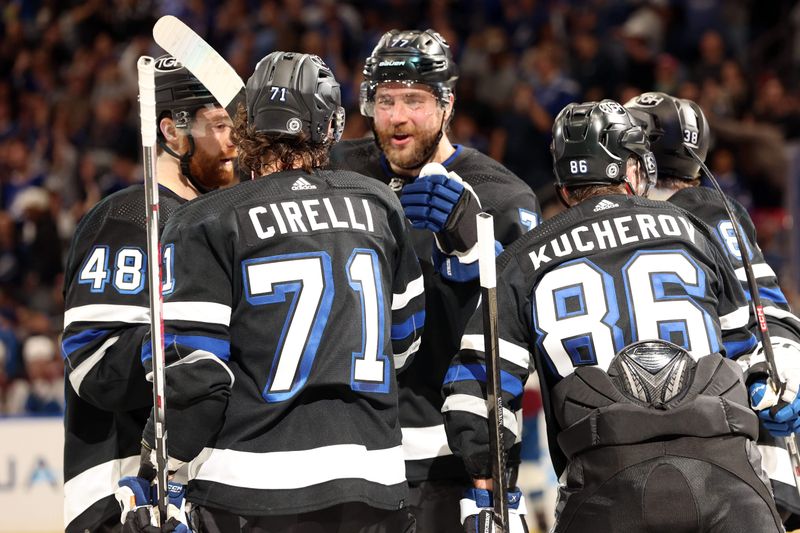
[
  {"x": 477, "y": 372},
  {"x": 219, "y": 347},
  {"x": 79, "y": 340},
  {"x": 413, "y": 323},
  {"x": 773, "y": 295},
  {"x": 734, "y": 349}
]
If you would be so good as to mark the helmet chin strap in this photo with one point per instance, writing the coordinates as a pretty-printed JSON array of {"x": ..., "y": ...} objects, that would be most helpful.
[{"x": 184, "y": 161}]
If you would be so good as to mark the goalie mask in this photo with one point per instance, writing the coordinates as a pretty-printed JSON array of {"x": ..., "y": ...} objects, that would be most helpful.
[
  {"x": 672, "y": 124},
  {"x": 295, "y": 95},
  {"x": 413, "y": 56},
  {"x": 592, "y": 142}
]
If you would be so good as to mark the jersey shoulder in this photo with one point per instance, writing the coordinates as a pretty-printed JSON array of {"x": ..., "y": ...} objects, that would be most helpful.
[
  {"x": 126, "y": 208},
  {"x": 292, "y": 185},
  {"x": 476, "y": 168},
  {"x": 358, "y": 155},
  {"x": 707, "y": 205}
]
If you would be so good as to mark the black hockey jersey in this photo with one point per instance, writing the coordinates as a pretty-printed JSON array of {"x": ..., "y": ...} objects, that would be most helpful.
[
  {"x": 783, "y": 325},
  {"x": 449, "y": 303},
  {"x": 106, "y": 317},
  {"x": 573, "y": 292},
  {"x": 296, "y": 297}
]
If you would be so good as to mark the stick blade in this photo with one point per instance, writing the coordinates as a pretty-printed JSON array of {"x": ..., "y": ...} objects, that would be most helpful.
[{"x": 208, "y": 66}]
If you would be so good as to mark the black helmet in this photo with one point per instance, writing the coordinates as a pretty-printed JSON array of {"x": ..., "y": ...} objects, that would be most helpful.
[
  {"x": 592, "y": 142},
  {"x": 290, "y": 94},
  {"x": 410, "y": 56},
  {"x": 178, "y": 92},
  {"x": 672, "y": 124}
]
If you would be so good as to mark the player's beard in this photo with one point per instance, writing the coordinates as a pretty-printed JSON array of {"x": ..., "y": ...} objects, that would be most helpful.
[
  {"x": 408, "y": 158},
  {"x": 209, "y": 170}
]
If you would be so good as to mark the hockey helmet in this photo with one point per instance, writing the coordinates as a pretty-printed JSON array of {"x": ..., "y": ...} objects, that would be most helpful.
[
  {"x": 292, "y": 94},
  {"x": 410, "y": 56},
  {"x": 178, "y": 92},
  {"x": 672, "y": 124},
  {"x": 592, "y": 142}
]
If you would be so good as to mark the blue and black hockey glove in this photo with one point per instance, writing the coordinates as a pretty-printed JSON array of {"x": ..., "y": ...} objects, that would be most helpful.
[
  {"x": 443, "y": 203},
  {"x": 780, "y": 417},
  {"x": 138, "y": 500},
  {"x": 779, "y": 410},
  {"x": 477, "y": 511}
]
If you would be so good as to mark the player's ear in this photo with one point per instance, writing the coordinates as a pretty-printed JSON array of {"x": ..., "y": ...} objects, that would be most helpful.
[
  {"x": 448, "y": 110},
  {"x": 168, "y": 130}
]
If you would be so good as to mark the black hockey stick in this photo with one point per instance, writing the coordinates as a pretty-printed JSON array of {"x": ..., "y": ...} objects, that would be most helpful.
[
  {"x": 775, "y": 381},
  {"x": 185, "y": 45},
  {"x": 147, "y": 113},
  {"x": 494, "y": 398}
]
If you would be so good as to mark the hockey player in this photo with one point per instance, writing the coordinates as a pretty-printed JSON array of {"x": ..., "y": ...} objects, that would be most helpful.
[
  {"x": 660, "y": 436},
  {"x": 106, "y": 297},
  {"x": 673, "y": 125},
  {"x": 297, "y": 296},
  {"x": 408, "y": 96}
]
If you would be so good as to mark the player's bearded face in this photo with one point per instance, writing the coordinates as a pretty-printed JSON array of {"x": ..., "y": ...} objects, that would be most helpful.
[
  {"x": 214, "y": 153},
  {"x": 408, "y": 120}
]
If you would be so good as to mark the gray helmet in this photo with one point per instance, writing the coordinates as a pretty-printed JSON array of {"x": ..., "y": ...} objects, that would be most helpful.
[
  {"x": 410, "y": 56},
  {"x": 292, "y": 94},
  {"x": 178, "y": 92},
  {"x": 672, "y": 124},
  {"x": 592, "y": 142}
]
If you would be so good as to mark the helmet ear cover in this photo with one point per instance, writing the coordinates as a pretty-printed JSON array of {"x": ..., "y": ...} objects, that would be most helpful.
[
  {"x": 412, "y": 57},
  {"x": 672, "y": 125},
  {"x": 179, "y": 94},
  {"x": 295, "y": 95},
  {"x": 592, "y": 143}
]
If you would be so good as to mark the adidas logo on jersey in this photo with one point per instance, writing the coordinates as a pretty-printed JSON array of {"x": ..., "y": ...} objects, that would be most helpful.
[
  {"x": 302, "y": 185},
  {"x": 604, "y": 204}
]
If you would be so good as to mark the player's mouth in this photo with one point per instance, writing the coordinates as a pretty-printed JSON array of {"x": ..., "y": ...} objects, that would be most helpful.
[
  {"x": 227, "y": 161},
  {"x": 401, "y": 139}
]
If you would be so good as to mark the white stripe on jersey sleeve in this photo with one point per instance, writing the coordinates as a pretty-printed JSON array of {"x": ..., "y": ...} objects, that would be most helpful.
[
  {"x": 760, "y": 270},
  {"x": 776, "y": 463},
  {"x": 736, "y": 319},
  {"x": 195, "y": 356},
  {"x": 78, "y": 374},
  {"x": 401, "y": 358},
  {"x": 298, "y": 469},
  {"x": 477, "y": 406},
  {"x": 95, "y": 484},
  {"x": 780, "y": 314},
  {"x": 510, "y": 352},
  {"x": 413, "y": 289},
  {"x": 208, "y": 312},
  {"x": 425, "y": 443},
  {"x": 131, "y": 314}
]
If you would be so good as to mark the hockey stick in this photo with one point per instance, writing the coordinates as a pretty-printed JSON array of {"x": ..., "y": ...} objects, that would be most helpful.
[
  {"x": 182, "y": 43},
  {"x": 147, "y": 114},
  {"x": 778, "y": 385},
  {"x": 494, "y": 398}
]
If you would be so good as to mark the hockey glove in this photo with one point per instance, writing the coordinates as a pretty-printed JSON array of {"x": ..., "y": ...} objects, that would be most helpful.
[
  {"x": 778, "y": 409},
  {"x": 477, "y": 511},
  {"x": 137, "y": 500},
  {"x": 781, "y": 418},
  {"x": 444, "y": 204}
]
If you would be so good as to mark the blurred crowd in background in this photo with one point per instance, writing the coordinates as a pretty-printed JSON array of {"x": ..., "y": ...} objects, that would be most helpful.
[{"x": 69, "y": 131}]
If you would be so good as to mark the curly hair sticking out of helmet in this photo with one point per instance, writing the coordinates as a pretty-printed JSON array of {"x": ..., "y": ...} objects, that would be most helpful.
[
  {"x": 262, "y": 153},
  {"x": 293, "y": 115}
]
